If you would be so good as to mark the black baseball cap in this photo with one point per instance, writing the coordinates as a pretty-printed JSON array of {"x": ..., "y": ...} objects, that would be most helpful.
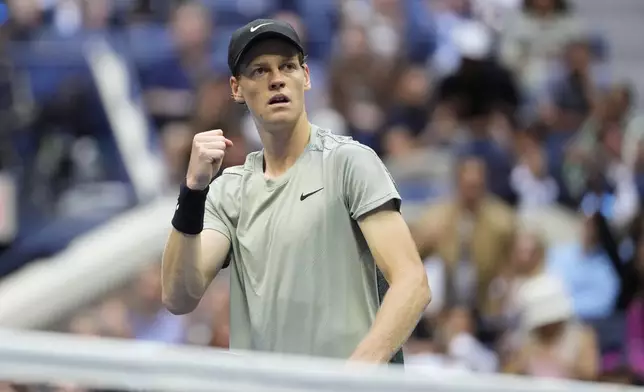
[{"x": 242, "y": 39}]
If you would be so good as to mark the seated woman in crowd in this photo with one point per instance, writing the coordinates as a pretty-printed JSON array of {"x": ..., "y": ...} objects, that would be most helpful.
[{"x": 552, "y": 343}]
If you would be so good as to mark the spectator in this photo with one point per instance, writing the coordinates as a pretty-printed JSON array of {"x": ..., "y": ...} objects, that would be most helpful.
[
  {"x": 587, "y": 274},
  {"x": 409, "y": 111},
  {"x": 526, "y": 261},
  {"x": 574, "y": 90},
  {"x": 148, "y": 318},
  {"x": 423, "y": 82},
  {"x": 112, "y": 316},
  {"x": 471, "y": 233},
  {"x": 360, "y": 85},
  {"x": 25, "y": 20},
  {"x": 554, "y": 344},
  {"x": 455, "y": 348},
  {"x": 221, "y": 317},
  {"x": 536, "y": 37},
  {"x": 623, "y": 351},
  {"x": 479, "y": 85},
  {"x": 85, "y": 324},
  {"x": 170, "y": 85},
  {"x": 614, "y": 110},
  {"x": 450, "y": 16},
  {"x": 530, "y": 179},
  {"x": 480, "y": 91}
]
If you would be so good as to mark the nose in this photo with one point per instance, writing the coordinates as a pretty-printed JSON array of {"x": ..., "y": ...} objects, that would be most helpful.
[{"x": 277, "y": 82}]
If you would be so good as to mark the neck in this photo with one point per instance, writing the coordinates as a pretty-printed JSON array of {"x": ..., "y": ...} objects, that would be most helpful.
[
  {"x": 543, "y": 12},
  {"x": 470, "y": 205},
  {"x": 282, "y": 147},
  {"x": 193, "y": 55},
  {"x": 529, "y": 271}
]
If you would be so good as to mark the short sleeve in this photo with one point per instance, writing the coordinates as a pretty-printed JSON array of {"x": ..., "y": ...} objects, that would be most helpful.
[
  {"x": 213, "y": 219},
  {"x": 222, "y": 207},
  {"x": 365, "y": 181}
]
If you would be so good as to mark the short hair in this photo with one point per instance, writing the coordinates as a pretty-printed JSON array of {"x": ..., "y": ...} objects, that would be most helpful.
[
  {"x": 560, "y": 6},
  {"x": 467, "y": 158}
]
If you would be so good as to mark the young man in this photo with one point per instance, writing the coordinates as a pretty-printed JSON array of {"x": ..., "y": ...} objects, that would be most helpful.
[{"x": 310, "y": 225}]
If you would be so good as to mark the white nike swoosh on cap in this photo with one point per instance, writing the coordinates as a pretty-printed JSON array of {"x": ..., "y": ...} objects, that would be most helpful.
[{"x": 254, "y": 28}]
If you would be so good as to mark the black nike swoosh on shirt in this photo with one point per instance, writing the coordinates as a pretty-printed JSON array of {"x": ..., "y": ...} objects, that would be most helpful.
[{"x": 304, "y": 196}]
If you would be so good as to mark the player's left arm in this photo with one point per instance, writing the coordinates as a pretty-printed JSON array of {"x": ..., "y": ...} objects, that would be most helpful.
[
  {"x": 373, "y": 201},
  {"x": 396, "y": 256}
]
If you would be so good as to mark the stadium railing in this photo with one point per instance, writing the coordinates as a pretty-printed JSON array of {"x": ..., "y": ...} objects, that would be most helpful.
[{"x": 91, "y": 266}]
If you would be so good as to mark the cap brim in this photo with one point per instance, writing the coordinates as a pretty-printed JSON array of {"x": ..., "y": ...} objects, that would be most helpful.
[{"x": 261, "y": 37}]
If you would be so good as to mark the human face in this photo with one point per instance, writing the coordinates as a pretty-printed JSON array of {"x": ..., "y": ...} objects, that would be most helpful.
[
  {"x": 472, "y": 180},
  {"x": 543, "y": 5},
  {"x": 589, "y": 232},
  {"x": 527, "y": 252},
  {"x": 190, "y": 27},
  {"x": 272, "y": 83},
  {"x": 549, "y": 332},
  {"x": 579, "y": 56}
]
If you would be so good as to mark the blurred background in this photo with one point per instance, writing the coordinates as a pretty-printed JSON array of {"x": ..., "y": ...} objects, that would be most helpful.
[{"x": 513, "y": 129}]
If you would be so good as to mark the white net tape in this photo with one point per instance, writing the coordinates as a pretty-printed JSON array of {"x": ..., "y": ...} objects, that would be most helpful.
[{"x": 37, "y": 357}]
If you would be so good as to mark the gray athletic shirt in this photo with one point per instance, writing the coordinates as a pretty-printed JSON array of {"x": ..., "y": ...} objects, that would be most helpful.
[{"x": 303, "y": 280}]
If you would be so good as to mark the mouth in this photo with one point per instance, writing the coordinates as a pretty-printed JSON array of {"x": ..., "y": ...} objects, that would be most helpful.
[{"x": 278, "y": 99}]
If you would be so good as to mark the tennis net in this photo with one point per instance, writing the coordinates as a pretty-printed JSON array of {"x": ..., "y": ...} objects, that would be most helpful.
[{"x": 43, "y": 357}]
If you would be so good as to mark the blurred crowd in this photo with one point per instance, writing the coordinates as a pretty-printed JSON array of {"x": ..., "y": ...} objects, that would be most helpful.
[{"x": 485, "y": 112}]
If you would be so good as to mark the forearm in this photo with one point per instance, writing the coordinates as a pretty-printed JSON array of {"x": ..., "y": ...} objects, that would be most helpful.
[
  {"x": 183, "y": 283},
  {"x": 399, "y": 313}
]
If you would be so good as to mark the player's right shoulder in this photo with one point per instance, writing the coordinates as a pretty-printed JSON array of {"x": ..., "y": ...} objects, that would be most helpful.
[
  {"x": 233, "y": 175},
  {"x": 228, "y": 181},
  {"x": 233, "y": 172},
  {"x": 228, "y": 184}
]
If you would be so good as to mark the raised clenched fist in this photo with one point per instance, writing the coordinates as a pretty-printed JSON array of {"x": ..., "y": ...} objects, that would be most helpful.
[{"x": 208, "y": 150}]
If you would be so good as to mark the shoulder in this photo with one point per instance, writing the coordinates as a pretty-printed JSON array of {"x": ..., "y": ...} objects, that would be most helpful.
[
  {"x": 586, "y": 335},
  {"x": 441, "y": 211},
  {"x": 343, "y": 147},
  {"x": 327, "y": 141},
  {"x": 587, "y": 332},
  {"x": 229, "y": 182},
  {"x": 342, "y": 150},
  {"x": 229, "y": 177},
  {"x": 561, "y": 253},
  {"x": 502, "y": 212}
]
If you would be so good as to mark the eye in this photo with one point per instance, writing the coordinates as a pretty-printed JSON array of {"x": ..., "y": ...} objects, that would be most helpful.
[
  {"x": 290, "y": 66},
  {"x": 259, "y": 71}
]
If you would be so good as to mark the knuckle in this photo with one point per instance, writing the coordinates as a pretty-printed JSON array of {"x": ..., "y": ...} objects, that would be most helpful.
[{"x": 202, "y": 153}]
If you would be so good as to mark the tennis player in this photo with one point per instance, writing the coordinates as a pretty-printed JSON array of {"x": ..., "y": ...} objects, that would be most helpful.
[{"x": 310, "y": 225}]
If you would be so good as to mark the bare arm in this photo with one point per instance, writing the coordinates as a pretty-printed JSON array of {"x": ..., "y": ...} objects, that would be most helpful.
[
  {"x": 190, "y": 263},
  {"x": 517, "y": 362},
  {"x": 587, "y": 365},
  {"x": 395, "y": 254},
  {"x": 422, "y": 236},
  {"x": 426, "y": 232}
]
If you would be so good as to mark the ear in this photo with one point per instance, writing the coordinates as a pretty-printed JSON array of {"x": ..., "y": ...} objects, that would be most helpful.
[
  {"x": 236, "y": 90},
  {"x": 307, "y": 77}
]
